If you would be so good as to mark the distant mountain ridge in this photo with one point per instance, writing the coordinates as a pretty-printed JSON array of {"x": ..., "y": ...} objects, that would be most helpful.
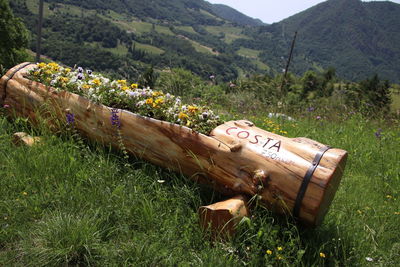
[{"x": 233, "y": 15}]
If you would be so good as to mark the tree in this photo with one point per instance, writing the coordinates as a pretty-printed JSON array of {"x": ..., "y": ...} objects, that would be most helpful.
[
  {"x": 14, "y": 37},
  {"x": 376, "y": 93}
]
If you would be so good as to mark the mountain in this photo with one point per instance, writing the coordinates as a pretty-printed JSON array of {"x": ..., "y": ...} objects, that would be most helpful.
[
  {"x": 233, "y": 15},
  {"x": 357, "y": 38}
]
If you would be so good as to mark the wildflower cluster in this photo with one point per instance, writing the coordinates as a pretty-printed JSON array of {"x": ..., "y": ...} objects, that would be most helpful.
[
  {"x": 273, "y": 127},
  {"x": 124, "y": 95}
]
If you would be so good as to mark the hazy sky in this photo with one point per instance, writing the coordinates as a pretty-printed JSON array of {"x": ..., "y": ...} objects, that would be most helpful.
[{"x": 270, "y": 11}]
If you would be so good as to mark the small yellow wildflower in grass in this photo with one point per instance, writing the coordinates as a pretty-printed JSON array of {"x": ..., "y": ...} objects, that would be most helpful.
[
  {"x": 121, "y": 82},
  {"x": 269, "y": 252},
  {"x": 149, "y": 101},
  {"x": 182, "y": 116},
  {"x": 389, "y": 196},
  {"x": 96, "y": 82},
  {"x": 280, "y": 248},
  {"x": 124, "y": 88},
  {"x": 193, "y": 109},
  {"x": 322, "y": 255},
  {"x": 279, "y": 257},
  {"x": 397, "y": 212},
  {"x": 134, "y": 85},
  {"x": 24, "y": 193}
]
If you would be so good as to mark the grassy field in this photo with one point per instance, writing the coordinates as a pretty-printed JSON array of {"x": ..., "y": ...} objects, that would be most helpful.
[
  {"x": 395, "y": 100},
  {"x": 69, "y": 202}
]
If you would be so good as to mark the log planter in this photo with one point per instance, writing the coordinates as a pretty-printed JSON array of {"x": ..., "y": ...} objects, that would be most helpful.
[{"x": 295, "y": 176}]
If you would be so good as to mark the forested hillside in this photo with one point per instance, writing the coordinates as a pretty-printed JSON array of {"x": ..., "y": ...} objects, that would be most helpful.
[{"x": 358, "y": 39}]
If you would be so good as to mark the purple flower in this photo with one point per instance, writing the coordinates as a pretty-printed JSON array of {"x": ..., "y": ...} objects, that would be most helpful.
[
  {"x": 6, "y": 106},
  {"x": 114, "y": 118},
  {"x": 212, "y": 77},
  {"x": 80, "y": 69},
  {"x": 89, "y": 72},
  {"x": 80, "y": 76},
  {"x": 70, "y": 118},
  {"x": 310, "y": 109},
  {"x": 378, "y": 133},
  {"x": 318, "y": 117}
]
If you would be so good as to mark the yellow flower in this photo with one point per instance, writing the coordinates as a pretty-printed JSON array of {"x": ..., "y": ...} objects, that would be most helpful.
[
  {"x": 121, "y": 82},
  {"x": 397, "y": 213},
  {"x": 188, "y": 123},
  {"x": 269, "y": 252},
  {"x": 124, "y": 88},
  {"x": 182, "y": 116},
  {"x": 86, "y": 86},
  {"x": 322, "y": 255},
  {"x": 96, "y": 82},
  {"x": 279, "y": 257},
  {"x": 64, "y": 79},
  {"x": 280, "y": 248},
  {"x": 134, "y": 85},
  {"x": 25, "y": 193},
  {"x": 157, "y": 93},
  {"x": 54, "y": 66},
  {"x": 149, "y": 101},
  {"x": 159, "y": 100},
  {"x": 36, "y": 73},
  {"x": 67, "y": 70},
  {"x": 41, "y": 65},
  {"x": 389, "y": 196},
  {"x": 48, "y": 72},
  {"x": 192, "y": 109}
]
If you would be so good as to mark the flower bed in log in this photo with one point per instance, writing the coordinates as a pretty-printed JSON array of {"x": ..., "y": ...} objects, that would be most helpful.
[{"x": 123, "y": 95}]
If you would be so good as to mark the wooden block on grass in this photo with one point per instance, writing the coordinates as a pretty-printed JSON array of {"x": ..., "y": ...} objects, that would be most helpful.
[
  {"x": 222, "y": 218},
  {"x": 22, "y": 138}
]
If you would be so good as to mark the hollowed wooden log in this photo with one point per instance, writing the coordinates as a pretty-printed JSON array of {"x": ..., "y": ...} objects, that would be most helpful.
[{"x": 237, "y": 158}]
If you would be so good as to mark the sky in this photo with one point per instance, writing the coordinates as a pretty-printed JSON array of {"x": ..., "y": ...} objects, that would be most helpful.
[{"x": 270, "y": 11}]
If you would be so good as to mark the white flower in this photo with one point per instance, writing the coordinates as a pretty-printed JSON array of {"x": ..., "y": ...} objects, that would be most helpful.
[{"x": 369, "y": 259}]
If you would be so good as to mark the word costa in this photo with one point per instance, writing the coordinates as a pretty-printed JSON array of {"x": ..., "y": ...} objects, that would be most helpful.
[{"x": 254, "y": 139}]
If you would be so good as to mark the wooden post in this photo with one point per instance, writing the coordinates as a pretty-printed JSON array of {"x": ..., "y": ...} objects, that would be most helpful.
[{"x": 39, "y": 36}]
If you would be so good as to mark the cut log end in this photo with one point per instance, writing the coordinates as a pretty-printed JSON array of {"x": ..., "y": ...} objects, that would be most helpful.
[{"x": 330, "y": 190}]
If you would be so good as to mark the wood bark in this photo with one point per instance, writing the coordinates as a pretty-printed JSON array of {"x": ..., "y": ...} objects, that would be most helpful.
[{"x": 237, "y": 158}]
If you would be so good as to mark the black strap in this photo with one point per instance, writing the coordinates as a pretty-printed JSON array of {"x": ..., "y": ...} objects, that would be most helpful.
[
  {"x": 307, "y": 179},
  {"x": 11, "y": 76}
]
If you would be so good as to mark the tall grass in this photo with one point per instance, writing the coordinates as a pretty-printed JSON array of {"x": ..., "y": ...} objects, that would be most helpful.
[{"x": 64, "y": 202}]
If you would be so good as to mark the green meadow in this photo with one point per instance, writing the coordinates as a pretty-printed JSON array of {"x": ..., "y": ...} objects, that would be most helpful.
[{"x": 68, "y": 201}]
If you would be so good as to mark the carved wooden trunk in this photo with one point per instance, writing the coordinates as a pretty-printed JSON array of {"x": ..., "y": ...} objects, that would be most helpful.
[{"x": 291, "y": 175}]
